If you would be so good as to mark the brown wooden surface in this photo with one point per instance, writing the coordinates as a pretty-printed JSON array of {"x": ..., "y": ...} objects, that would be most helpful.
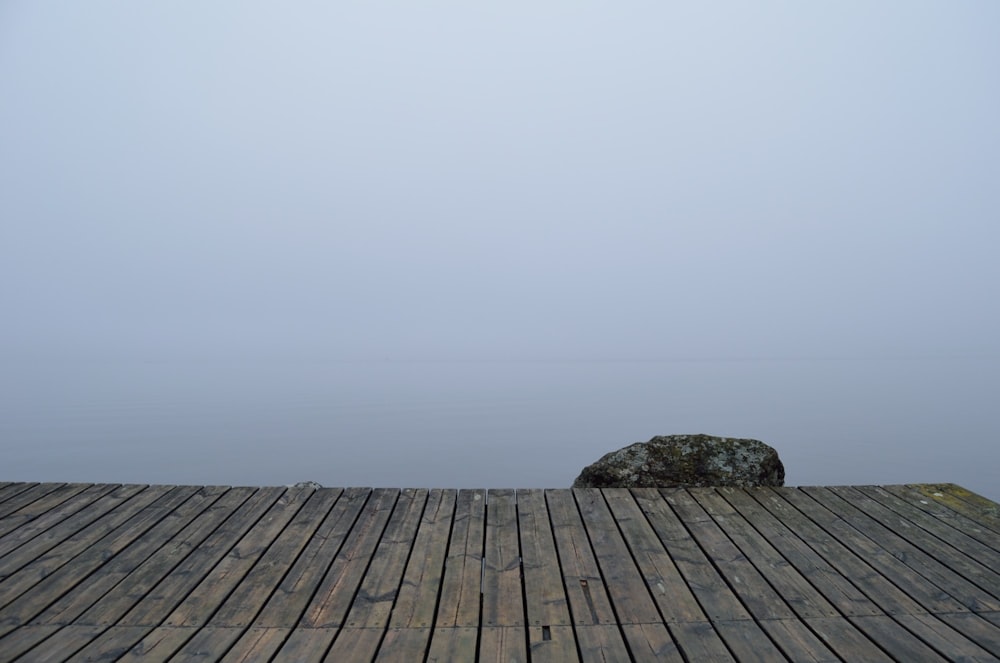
[{"x": 151, "y": 573}]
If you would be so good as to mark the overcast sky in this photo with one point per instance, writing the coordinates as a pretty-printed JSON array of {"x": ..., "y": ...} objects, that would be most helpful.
[{"x": 499, "y": 179}]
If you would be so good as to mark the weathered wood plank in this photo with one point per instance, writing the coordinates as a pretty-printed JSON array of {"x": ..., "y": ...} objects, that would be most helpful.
[
  {"x": 250, "y": 595},
  {"x": 588, "y": 598},
  {"x": 26, "y": 497},
  {"x": 109, "y": 575},
  {"x": 545, "y": 598},
  {"x": 976, "y": 628},
  {"x": 895, "y": 639},
  {"x": 601, "y": 643},
  {"x": 713, "y": 594},
  {"x": 652, "y": 642},
  {"x": 46, "y": 551},
  {"x": 663, "y": 580},
  {"x": 804, "y": 599},
  {"x": 625, "y": 585},
  {"x": 199, "y": 605},
  {"x": 373, "y": 603},
  {"x": 404, "y": 644},
  {"x": 306, "y": 645},
  {"x": 45, "y": 522},
  {"x": 503, "y": 644},
  {"x": 885, "y": 574},
  {"x": 289, "y": 601},
  {"x": 355, "y": 644},
  {"x": 12, "y": 488},
  {"x": 748, "y": 642},
  {"x": 256, "y": 644},
  {"x": 746, "y": 581},
  {"x": 39, "y": 507},
  {"x": 453, "y": 644},
  {"x": 934, "y": 537},
  {"x": 965, "y": 525},
  {"x": 954, "y": 497},
  {"x": 463, "y": 569},
  {"x": 330, "y": 604},
  {"x": 417, "y": 599},
  {"x": 699, "y": 641},
  {"x": 849, "y": 643},
  {"x": 969, "y": 594},
  {"x": 111, "y": 607},
  {"x": 942, "y": 637},
  {"x": 157, "y": 604},
  {"x": 552, "y": 644},
  {"x": 502, "y": 602},
  {"x": 159, "y": 644},
  {"x": 112, "y": 644},
  {"x": 67, "y": 565},
  {"x": 62, "y": 644},
  {"x": 21, "y": 640},
  {"x": 209, "y": 643},
  {"x": 797, "y": 642}
]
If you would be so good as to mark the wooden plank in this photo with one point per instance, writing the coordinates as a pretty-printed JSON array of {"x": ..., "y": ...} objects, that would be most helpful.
[
  {"x": 21, "y": 640},
  {"x": 797, "y": 642},
  {"x": 46, "y": 521},
  {"x": 463, "y": 568},
  {"x": 209, "y": 643},
  {"x": 942, "y": 637},
  {"x": 651, "y": 642},
  {"x": 882, "y": 585},
  {"x": 332, "y": 600},
  {"x": 68, "y": 538},
  {"x": 249, "y": 596},
  {"x": 453, "y": 644},
  {"x": 968, "y": 593},
  {"x": 748, "y": 642},
  {"x": 804, "y": 599},
  {"x": 624, "y": 583},
  {"x": 288, "y": 603},
  {"x": 62, "y": 644},
  {"x": 712, "y": 592},
  {"x": 30, "y": 494},
  {"x": 306, "y": 645},
  {"x": 953, "y": 497},
  {"x": 256, "y": 644},
  {"x": 67, "y": 565},
  {"x": 112, "y": 644},
  {"x": 38, "y": 507},
  {"x": 552, "y": 644},
  {"x": 355, "y": 644},
  {"x": 896, "y": 640},
  {"x": 502, "y": 601},
  {"x": 663, "y": 580},
  {"x": 699, "y": 641},
  {"x": 405, "y": 644},
  {"x": 545, "y": 598},
  {"x": 960, "y": 543},
  {"x": 157, "y": 604},
  {"x": 78, "y": 600},
  {"x": 159, "y": 644},
  {"x": 111, "y": 607},
  {"x": 503, "y": 644},
  {"x": 974, "y": 627},
  {"x": 746, "y": 581},
  {"x": 10, "y": 489},
  {"x": 376, "y": 596},
  {"x": 601, "y": 643},
  {"x": 588, "y": 599},
  {"x": 198, "y": 606},
  {"x": 849, "y": 643},
  {"x": 418, "y": 595},
  {"x": 967, "y": 526}
]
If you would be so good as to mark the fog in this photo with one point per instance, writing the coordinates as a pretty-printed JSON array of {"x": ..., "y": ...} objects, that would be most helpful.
[{"x": 515, "y": 181}]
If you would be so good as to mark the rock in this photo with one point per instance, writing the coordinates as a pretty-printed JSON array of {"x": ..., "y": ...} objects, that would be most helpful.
[
  {"x": 686, "y": 460},
  {"x": 307, "y": 484}
]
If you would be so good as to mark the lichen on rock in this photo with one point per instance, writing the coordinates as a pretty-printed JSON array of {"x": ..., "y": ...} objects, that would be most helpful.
[{"x": 686, "y": 460}]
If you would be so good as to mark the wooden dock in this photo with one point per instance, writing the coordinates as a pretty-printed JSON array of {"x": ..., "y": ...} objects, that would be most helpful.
[{"x": 152, "y": 573}]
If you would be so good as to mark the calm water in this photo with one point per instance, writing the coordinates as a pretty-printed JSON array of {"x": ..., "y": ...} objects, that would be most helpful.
[{"x": 490, "y": 424}]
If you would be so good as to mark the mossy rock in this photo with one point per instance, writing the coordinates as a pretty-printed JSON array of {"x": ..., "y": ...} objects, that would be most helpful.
[{"x": 686, "y": 460}]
